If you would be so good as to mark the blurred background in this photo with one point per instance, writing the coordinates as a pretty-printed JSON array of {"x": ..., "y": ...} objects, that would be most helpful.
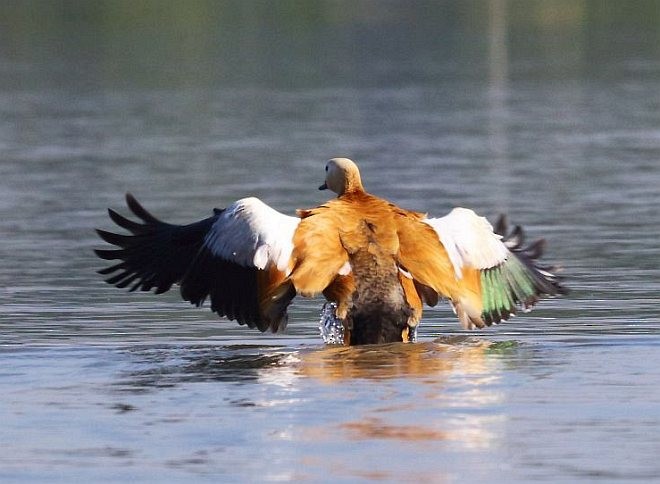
[
  {"x": 296, "y": 44},
  {"x": 548, "y": 110}
]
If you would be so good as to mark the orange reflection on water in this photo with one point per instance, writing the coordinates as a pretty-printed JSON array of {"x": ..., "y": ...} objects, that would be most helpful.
[
  {"x": 375, "y": 428},
  {"x": 428, "y": 362},
  {"x": 427, "y": 396}
]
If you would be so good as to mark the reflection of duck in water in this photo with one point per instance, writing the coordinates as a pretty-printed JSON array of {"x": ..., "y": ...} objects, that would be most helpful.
[
  {"x": 377, "y": 262},
  {"x": 432, "y": 359},
  {"x": 448, "y": 374}
]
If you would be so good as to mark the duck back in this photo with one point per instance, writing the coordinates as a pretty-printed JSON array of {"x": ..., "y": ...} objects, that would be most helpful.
[{"x": 379, "y": 312}]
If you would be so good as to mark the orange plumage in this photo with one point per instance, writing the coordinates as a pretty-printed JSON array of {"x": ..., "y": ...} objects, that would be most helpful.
[{"x": 378, "y": 262}]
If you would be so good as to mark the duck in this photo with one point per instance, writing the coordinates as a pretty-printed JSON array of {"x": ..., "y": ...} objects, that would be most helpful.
[{"x": 377, "y": 263}]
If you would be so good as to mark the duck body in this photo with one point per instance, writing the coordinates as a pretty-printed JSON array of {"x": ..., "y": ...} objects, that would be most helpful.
[
  {"x": 371, "y": 299},
  {"x": 377, "y": 262}
]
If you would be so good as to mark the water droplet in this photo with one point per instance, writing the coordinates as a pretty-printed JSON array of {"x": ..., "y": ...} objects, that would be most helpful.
[{"x": 331, "y": 327}]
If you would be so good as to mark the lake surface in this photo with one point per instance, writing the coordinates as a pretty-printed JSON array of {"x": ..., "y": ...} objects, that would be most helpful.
[{"x": 546, "y": 111}]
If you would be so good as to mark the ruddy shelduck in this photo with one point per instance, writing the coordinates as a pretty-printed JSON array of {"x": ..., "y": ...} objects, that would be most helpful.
[{"x": 377, "y": 262}]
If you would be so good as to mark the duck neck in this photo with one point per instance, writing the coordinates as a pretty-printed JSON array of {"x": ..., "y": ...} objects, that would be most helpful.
[{"x": 353, "y": 184}]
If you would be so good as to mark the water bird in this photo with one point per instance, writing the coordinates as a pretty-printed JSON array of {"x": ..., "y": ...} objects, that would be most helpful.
[{"x": 376, "y": 262}]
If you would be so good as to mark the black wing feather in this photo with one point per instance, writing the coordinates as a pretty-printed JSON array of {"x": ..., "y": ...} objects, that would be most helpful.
[
  {"x": 546, "y": 279},
  {"x": 157, "y": 255}
]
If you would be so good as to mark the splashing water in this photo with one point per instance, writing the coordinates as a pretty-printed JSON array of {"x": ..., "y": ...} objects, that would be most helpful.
[
  {"x": 412, "y": 335},
  {"x": 331, "y": 327}
]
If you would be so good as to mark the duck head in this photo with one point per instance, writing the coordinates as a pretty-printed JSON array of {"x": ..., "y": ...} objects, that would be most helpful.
[{"x": 342, "y": 176}]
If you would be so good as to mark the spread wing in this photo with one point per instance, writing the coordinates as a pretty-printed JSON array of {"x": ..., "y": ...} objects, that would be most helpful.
[
  {"x": 469, "y": 240},
  {"x": 239, "y": 258},
  {"x": 319, "y": 254},
  {"x": 486, "y": 274}
]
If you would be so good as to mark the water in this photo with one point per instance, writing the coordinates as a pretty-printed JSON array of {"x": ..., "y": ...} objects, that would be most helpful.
[{"x": 548, "y": 111}]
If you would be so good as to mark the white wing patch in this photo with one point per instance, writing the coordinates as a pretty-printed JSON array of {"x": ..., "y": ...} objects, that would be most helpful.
[
  {"x": 345, "y": 269},
  {"x": 469, "y": 240},
  {"x": 252, "y": 234}
]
